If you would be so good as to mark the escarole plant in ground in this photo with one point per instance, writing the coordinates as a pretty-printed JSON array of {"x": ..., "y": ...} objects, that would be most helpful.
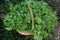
[{"x": 36, "y": 17}]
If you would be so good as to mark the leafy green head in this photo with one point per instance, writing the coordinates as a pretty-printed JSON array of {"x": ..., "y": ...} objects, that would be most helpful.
[{"x": 19, "y": 18}]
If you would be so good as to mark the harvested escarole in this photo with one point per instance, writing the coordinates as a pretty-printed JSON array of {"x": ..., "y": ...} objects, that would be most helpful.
[{"x": 35, "y": 17}]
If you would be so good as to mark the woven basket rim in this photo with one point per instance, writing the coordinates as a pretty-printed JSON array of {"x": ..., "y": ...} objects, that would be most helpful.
[{"x": 24, "y": 33}]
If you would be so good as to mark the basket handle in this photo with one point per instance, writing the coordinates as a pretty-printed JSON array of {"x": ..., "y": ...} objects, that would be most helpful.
[{"x": 32, "y": 16}]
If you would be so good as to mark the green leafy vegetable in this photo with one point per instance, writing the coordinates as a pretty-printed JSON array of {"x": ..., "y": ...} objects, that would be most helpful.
[{"x": 36, "y": 17}]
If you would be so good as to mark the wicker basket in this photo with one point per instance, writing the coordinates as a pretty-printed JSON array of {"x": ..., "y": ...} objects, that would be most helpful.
[{"x": 32, "y": 18}]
